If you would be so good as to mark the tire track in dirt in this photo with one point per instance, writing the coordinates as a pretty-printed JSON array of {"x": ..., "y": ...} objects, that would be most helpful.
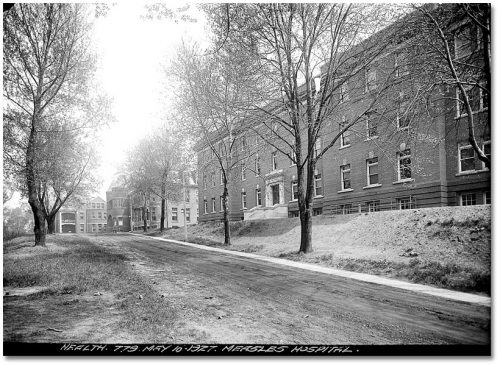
[{"x": 275, "y": 302}]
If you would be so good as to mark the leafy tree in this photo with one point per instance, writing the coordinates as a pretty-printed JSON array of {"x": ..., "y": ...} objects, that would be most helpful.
[{"x": 50, "y": 101}]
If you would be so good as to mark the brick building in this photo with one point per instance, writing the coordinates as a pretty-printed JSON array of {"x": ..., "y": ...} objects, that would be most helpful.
[
  {"x": 89, "y": 218},
  {"x": 390, "y": 161}
]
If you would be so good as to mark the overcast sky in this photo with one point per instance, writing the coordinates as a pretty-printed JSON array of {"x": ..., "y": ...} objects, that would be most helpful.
[{"x": 132, "y": 55}]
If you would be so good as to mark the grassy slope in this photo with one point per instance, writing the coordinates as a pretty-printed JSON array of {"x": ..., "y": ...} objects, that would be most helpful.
[{"x": 446, "y": 247}]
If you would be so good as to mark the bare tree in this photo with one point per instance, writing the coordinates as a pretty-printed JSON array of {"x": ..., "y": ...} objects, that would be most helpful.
[
  {"x": 214, "y": 90},
  {"x": 458, "y": 37},
  {"x": 47, "y": 69},
  {"x": 311, "y": 57}
]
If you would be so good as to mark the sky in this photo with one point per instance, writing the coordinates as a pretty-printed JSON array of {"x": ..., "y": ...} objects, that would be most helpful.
[{"x": 132, "y": 54}]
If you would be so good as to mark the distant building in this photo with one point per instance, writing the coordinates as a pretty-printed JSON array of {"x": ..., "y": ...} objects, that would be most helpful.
[
  {"x": 125, "y": 211},
  {"x": 89, "y": 218},
  {"x": 118, "y": 206}
]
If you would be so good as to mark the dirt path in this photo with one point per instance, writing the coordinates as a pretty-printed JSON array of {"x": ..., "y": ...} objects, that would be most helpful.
[{"x": 227, "y": 299}]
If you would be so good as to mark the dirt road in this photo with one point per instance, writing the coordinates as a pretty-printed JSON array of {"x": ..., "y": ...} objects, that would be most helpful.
[{"x": 230, "y": 299}]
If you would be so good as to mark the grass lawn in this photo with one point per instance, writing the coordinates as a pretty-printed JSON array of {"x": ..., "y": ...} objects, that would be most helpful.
[{"x": 75, "y": 286}]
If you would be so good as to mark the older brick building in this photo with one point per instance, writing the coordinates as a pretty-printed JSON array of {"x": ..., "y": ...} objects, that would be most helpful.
[
  {"x": 89, "y": 218},
  {"x": 390, "y": 161}
]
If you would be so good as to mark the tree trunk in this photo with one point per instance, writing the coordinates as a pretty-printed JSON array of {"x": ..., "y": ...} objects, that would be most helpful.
[
  {"x": 227, "y": 228},
  {"x": 39, "y": 220},
  {"x": 51, "y": 224},
  {"x": 162, "y": 218},
  {"x": 306, "y": 230}
]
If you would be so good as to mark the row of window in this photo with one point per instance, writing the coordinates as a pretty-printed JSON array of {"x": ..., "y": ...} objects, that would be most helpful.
[
  {"x": 407, "y": 202},
  {"x": 475, "y": 198},
  {"x": 96, "y": 206},
  {"x": 93, "y": 227},
  {"x": 175, "y": 214}
]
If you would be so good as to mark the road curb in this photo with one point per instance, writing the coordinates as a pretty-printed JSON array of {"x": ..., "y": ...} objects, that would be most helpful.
[{"x": 424, "y": 289}]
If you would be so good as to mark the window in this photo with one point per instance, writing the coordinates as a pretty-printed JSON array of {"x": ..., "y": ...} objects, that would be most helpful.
[
  {"x": 295, "y": 190},
  {"x": 221, "y": 177},
  {"x": 464, "y": 42},
  {"x": 468, "y": 199},
  {"x": 257, "y": 165},
  {"x": 371, "y": 79},
  {"x": 94, "y": 216},
  {"x": 487, "y": 197},
  {"x": 244, "y": 200},
  {"x": 82, "y": 227},
  {"x": 345, "y": 139},
  {"x": 402, "y": 118},
  {"x": 274, "y": 160},
  {"x": 205, "y": 180},
  {"x": 476, "y": 98},
  {"x": 371, "y": 126},
  {"x": 243, "y": 172},
  {"x": 405, "y": 203},
  {"x": 93, "y": 205},
  {"x": 401, "y": 64},
  {"x": 343, "y": 94},
  {"x": 99, "y": 215},
  {"x": 345, "y": 208},
  {"x": 212, "y": 178},
  {"x": 99, "y": 227},
  {"x": 213, "y": 205},
  {"x": 258, "y": 197},
  {"x": 188, "y": 197},
  {"x": 153, "y": 214},
  {"x": 318, "y": 185},
  {"x": 317, "y": 147},
  {"x": 345, "y": 176},
  {"x": 373, "y": 206},
  {"x": 221, "y": 199},
  {"x": 404, "y": 165},
  {"x": 120, "y": 221},
  {"x": 93, "y": 228},
  {"x": 188, "y": 214},
  {"x": 372, "y": 171},
  {"x": 467, "y": 159},
  {"x": 82, "y": 216},
  {"x": 175, "y": 216},
  {"x": 317, "y": 211},
  {"x": 293, "y": 157},
  {"x": 205, "y": 206}
]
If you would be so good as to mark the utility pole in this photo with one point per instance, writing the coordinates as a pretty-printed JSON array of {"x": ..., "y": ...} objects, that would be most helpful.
[{"x": 184, "y": 202}]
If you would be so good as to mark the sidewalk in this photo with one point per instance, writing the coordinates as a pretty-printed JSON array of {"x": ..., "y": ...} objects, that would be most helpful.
[{"x": 424, "y": 289}]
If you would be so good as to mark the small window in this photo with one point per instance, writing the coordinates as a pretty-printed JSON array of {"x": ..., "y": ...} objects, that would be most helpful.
[
  {"x": 257, "y": 166},
  {"x": 405, "y": 203},
  {"x": 318, "y": 185},
  {"x": 188, "y": 214},
  {"x": 373, "y": 206},
  {"x": 205, "y": 206},
  {"x": 221, "y": 177},
  {"x": 293, "y": 157},
  {"x": 212, "y": 175},
  {"x": 345, "y": 176},
  {"x": 468, "y": 199},
  {"x": 244, "y": 200},
  {"x": 401, "y": 64},
  {"x": 487, "y": 197},
  {"x": 82, "y": 227},
  {"x": 467, "y": 159},
  {"x": 317, "y": 147},
  {"x": 372, "y": 126},
  {"x": 345, "y": 139},
  {"x": 345, "y": 208},
  {"x": 295, "y": 191},
  {"x": 404, "y": 165},
  {"x": 221, "y": 202},
  {"x": 243, "y": 171},
  {"x": 213, "y": 205},
  {"x": 274, "y": 160},
  {"x": 402, "y": 117},
  {"x": 175, "y": 216},
  {"x": 371, "y": 79},
  {"x": 258, "y": 197},
  {"x": 372, "y": 171}
]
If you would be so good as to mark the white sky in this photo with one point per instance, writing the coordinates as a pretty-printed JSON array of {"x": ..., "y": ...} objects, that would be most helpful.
[{"x": 132, "y": 54}]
